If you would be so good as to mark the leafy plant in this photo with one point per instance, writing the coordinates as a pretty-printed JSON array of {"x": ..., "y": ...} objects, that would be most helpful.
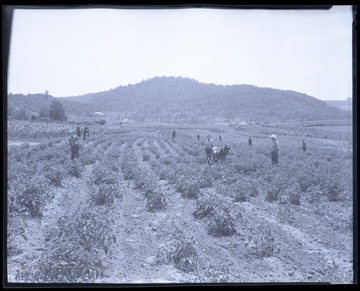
[
  {"x": 55, "y": 176},
  {"x": 145, "y": 157},
  {"x": 102, "y": 175},
  {"x": 103, "y": 194},
  {"x": 78, "y": 248},
  {"x": 32, "y": 196},
  {"x": 155, "y": 199},
  {"x": 261, "y": 242},
  {"x": 221, "y": 223},
  {"x": 75, "y": 169},
  {"x": 177, "y": 248},
  {"x": 219, "y": 220}
]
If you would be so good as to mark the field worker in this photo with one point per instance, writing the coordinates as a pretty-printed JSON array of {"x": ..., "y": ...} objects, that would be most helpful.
[
  {"x": 303, "y": 145},
  {"x": 208, "y": 148},
  {"x": 198, "y": 136},
  {"x": 173, "y": 134},
  {"x": 86, "y": 131},
  {"x": 78, "y": 133},
  {"x": 250, "y": 141},
  {"x": 75, "y": 144},
  {"x": 220, "y": 137},
  {"x": 274, "y": 150}
]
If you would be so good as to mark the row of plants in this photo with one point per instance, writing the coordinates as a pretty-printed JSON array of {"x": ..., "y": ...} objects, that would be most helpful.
[
  {"x": 79, "y": 246},
  {"x": 34, "y": 129}
]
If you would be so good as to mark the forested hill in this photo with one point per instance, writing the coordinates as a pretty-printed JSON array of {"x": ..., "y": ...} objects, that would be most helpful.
[
  {"x": 33, "y": 103},
  {"x": 241, "y": 102},
  {"x": 246, "y": 102}
]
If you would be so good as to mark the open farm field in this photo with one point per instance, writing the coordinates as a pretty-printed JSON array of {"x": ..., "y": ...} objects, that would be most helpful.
[
  {"x": 327, "y": 122},
  {"x": 322, "y": 129},
  {"x": 139, "y": 207},
  {"x": 339, "y": 128}
]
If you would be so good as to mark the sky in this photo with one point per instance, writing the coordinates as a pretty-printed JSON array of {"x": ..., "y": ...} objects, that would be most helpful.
[{"x": 70, "y": 52}]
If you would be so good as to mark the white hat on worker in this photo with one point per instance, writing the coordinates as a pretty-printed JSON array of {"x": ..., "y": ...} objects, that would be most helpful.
[{"x": 273, "y": 136}]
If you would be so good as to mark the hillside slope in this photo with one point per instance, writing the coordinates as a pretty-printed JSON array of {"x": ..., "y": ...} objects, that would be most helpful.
[{"x": 166, "y": 95}]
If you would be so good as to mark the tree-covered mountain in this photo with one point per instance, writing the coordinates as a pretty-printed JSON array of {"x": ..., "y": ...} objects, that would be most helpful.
[
  {"x": 35, "y": 103},
  {"x": 166, "y": 96},
  {"x": 341, "y": 104}
]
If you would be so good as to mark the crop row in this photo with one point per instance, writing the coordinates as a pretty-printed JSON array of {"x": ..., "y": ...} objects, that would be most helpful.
[
  {"x": 33, "y": 129},
  {"x": 79, "y": 245},
  {"x": 146, "y": 161}
]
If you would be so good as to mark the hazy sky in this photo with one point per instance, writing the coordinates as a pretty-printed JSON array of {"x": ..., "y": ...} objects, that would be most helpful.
[{"x": 76, "y": 51}]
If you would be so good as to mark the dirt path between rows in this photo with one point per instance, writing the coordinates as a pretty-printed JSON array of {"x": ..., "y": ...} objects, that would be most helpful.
[
  {"x": 305, "y": 250},
  {"x": 136, "y": 252},
  {"x": 65, "y": 202}
]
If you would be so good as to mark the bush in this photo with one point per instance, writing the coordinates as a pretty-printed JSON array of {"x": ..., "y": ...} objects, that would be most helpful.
[
  {"x": 145, "y": 157},
  {"x": 141, "y": 180},
  {"x": 246, "y": 169},
  {"x": 155, "y": 200},
  {"x": 75, "y": 169},
  {"x": 205, "y": 179},
  {"x": 55, "y": 176},
  {"x": 272, "y": 193},
  {"x": 278, "y": 185},
  {"x": 100, "y": 175},
  {"x": 32, "y": 196},
  {"x": 214, "y": 210},
  {"x": 103, "y": 194},
  {"x": 129, "y": 174},
  {"x": 307, "y": 180},
  {"x": 261, "y": 242},
  {"x": 241, "y": 189},
  {"x": 294, "y": 194},
  {"x": 332, "y": 189},
  {"x": 166, "y": 161},
  {"x": 88, "y": 160},
  {"x": 177, "y": 248},
  {"x": 189, "y": 188},
  {"x": 221, "y": 223},
  {"x": 79, "y": 244}
]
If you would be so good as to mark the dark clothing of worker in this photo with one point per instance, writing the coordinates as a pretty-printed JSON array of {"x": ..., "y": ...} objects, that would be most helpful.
[
  {"x": 198, "y": 136},
  {"x": 304, "y": 146},
  {"x": 86, "y": 131},
  {"x": 274, "y": 152},
  {"x": 208, "y": 149},
  {"x": 78, "y": 133},
  {"x": 74, "y": 146},
  {"x": 250, "y": 141},
  {"x": 173, "y": 134}
]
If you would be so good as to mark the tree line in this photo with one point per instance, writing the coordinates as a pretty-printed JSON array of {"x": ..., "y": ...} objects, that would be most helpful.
[{"x": 55, "y": 111}]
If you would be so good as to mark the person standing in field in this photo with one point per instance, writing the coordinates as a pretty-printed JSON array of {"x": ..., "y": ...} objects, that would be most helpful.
[
  {"x": 220, "y": 137},
  {"x": 250, "y": 141},
  {"x": 198, "y": 136},
  {"x": 75, "y": 144},
  {"x": 303, "y": 145},
  {"x": 274, "y": 150},
  {"x": 78, "y": 133},
  {"x": 173, "y": 134},
  {"x": 208, "y": 148},
  {"x": 86, "y": 131}
]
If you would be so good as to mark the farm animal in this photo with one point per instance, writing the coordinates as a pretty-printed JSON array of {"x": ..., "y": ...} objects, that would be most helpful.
[{"x": 219, "y": 153}]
